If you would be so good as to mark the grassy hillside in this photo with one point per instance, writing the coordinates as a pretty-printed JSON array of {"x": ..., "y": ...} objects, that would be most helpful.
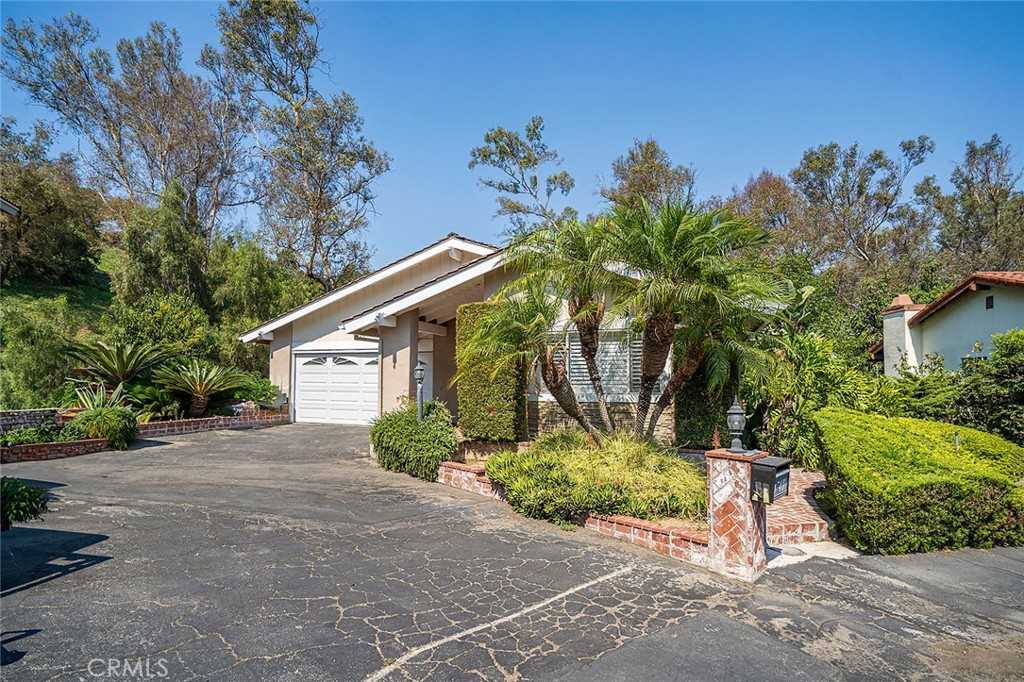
[{"x": 36, "y": 323}]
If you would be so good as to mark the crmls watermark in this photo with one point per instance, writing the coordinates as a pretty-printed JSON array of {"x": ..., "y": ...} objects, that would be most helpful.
[{"x": 128, "y": 668}]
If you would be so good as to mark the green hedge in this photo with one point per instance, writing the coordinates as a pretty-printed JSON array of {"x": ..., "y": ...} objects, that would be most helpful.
[
  {"x": 403, "y": 443},
  {"x": 491, "y": 408},
  {"x": 560, "y": 478},
  {"x": 900, "y": 485}
]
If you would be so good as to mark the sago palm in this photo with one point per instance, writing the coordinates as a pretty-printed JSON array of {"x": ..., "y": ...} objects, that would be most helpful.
[
  {"x": 117, "y": 363},
  {"x": 683, "y": 273},
  {"x": 200, "y": 381},
  {"x": 521, "y": 330},
  {"x": 567, "y": 257}
]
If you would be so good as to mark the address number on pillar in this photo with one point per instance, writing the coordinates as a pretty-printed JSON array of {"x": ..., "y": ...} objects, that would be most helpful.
[{"x": 769, "y": 479}]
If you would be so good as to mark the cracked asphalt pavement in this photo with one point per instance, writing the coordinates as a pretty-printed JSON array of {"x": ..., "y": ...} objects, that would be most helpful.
[{"x": 285, "y": 554}]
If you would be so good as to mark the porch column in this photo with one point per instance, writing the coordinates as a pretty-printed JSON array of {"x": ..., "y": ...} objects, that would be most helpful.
[
  {"x": 444, "y": 369},
  {"x": 736, "y": 524},
  {"x": 398, "y": 357}
]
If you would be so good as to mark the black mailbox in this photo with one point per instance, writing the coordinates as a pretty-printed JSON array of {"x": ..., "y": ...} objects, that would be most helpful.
[{"x": 769, "y": 479}]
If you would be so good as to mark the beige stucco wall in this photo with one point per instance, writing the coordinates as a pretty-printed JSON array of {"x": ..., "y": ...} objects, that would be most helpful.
[
  {"x": 954, "y": 330},
  {"x": 281, "y": 361},
  {"x": 444, "y": 368},
  {"x": 399, "y": 352}
]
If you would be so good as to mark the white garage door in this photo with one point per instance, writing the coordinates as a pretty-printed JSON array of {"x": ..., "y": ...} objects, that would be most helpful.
[{"x": 336, "y": 388}]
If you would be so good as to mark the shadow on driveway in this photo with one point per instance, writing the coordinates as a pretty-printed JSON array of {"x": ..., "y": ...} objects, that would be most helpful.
[{"x": 33, "y": 556}]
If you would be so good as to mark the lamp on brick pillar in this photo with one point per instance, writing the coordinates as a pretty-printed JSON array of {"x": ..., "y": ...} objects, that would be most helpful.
[{"x": 736, "y": 523}]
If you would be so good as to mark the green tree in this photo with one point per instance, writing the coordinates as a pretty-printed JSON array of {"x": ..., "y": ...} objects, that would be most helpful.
[
  {"x": 199, "y": 381},
  {"x": 33, "y": 340},
  {"x": 992, "y": 397},
  {"x": 981, "y": 222},
  {"x": 684, "y": 274},
  {"x": 165, "y": 251},
  {"x": 568, "y": 258},
  {"x": 646, "y": 172},
  {"x": 319, "y": 169},
  {"x": 53, "y": 238},
  {"x": 147, "y": 121},
  {"x": 161, "y": 320},
  {"x": 852, "y": 197},
  {"x": 519, "y": 162}
]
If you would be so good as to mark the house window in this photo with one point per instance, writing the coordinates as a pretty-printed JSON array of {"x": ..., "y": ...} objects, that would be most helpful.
[
  {"x": 990, "y": 302},
  {"x": 619, "y": 356}
]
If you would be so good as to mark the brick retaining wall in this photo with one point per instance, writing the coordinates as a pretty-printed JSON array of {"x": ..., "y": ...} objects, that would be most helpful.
[
  {"x": 17, "y": 419},
  {"x": 545, "y": 416},
  {"x": 73, "y": 448},
  {"x": 32, "y": 452}
]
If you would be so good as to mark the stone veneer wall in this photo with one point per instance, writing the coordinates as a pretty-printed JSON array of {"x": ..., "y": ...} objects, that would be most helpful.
[
  {"x": 544, "y": 416},
  {"x": 17, "y": 419}
]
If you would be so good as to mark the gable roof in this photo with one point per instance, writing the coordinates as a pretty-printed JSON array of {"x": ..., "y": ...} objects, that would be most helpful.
[
  {"x": 410, "y": 299},
  {"x": 970, "y": 283},
  {"x": 452, "y": 240}
]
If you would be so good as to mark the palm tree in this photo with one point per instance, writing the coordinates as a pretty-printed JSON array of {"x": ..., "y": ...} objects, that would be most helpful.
[
  {"x": 117, "y": 363},
  {"x": 683, "y": 275},
  {"x": 567, "y": 257},
  {"x": 521, "y": 330},
  {"x": 200, "y": 381}
]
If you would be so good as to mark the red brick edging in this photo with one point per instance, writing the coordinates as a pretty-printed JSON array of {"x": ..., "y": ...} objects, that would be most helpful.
[
  {"x": 74, "y": 448},
  {"x": 678, "y": 543},
  {"x": 796, "y": 518}
]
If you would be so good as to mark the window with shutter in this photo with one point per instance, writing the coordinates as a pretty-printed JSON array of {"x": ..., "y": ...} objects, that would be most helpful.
[{"x": 636, "y": 353}]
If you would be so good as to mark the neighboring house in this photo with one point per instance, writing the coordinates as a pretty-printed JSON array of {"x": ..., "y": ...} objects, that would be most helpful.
[
  {"x": 350, "y": 354},
  {"x": 957, "y": 326}
]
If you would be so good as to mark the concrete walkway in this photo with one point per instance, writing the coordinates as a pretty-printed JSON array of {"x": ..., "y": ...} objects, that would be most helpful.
[{"x": 285, "y": 554}]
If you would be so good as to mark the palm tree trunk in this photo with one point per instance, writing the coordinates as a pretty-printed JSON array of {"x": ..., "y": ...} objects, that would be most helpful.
[
  {"x": 197, "y": 406},
  {"x": 589, "y": 329},
  {"x": 681, "y": 373},
  {"x": 557, "y": 382},
  {"x": 657, "y": 344}
]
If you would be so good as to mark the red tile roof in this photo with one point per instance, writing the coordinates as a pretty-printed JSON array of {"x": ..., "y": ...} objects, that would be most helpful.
[{"x": 969, "y": 283}]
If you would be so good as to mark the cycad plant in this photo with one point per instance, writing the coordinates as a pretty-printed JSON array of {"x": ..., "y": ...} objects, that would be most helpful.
[
  {"x": 684, "y": 276},
  {"x": 200, "y": 381},
  {"x": 568, "y": 258},
  {"x": 117, "y": 363}
]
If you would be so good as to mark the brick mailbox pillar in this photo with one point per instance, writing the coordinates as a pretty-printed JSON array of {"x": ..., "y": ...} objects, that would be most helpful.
[{"x": 736, "y": 523}]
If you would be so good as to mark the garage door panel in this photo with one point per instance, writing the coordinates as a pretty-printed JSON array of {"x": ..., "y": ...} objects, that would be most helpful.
[{"x": 337, "y": 388}]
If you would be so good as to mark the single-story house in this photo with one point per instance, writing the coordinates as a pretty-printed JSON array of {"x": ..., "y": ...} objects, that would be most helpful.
[
  {"x": 956, "y": 326},
  {"x": 348, "y": 355}
]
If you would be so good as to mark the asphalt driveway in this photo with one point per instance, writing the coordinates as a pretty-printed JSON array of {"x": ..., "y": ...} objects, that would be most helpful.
[{"x": 285, "y": 554}]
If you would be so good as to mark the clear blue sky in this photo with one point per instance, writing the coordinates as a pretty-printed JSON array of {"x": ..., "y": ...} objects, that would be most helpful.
[{"x": 730, "y": 88}]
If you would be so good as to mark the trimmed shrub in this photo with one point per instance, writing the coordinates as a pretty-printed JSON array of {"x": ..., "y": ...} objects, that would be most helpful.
[
  {"x": 491, "y": 408},
  {"x": 403, "y": 443},
  {"x": 560, "y": 479},
  {"x": 46, "y": 433},
  {"x": 117, "y": 424},
  {"x": 20, "y": 502},
  {"x": 899, "y": 485}
]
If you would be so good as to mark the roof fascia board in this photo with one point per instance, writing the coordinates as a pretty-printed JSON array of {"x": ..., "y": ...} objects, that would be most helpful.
[
  {"x": 417, "y": 296},
  {"x": 379, "y": 276}
]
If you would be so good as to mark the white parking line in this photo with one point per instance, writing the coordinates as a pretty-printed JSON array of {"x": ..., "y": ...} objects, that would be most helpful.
[{"x": 404, "y": 658}]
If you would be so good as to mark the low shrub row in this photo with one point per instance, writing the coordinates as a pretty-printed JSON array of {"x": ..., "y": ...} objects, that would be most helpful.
[
  {"x": 403, "y": 443},
  {"x": 900, "y": 485},
  {"x": 117, "y": 424},
  {"x": 561, "y": 479}
]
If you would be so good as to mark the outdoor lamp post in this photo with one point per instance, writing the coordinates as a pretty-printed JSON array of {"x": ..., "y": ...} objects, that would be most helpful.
[
  {"x": 418, "y": 372},
  {"x": 736, "y": 422}
]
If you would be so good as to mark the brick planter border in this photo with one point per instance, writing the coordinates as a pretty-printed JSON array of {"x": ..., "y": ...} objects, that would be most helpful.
[
  {"x": 677, "y": 543},
  {"x": 73, "y": 448}
]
